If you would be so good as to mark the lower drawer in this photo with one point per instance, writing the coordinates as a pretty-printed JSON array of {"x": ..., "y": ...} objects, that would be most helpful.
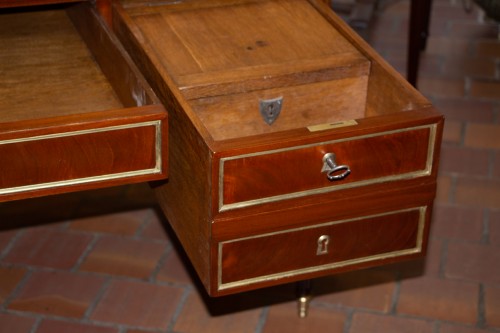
[{"x": 327, "y": 246}]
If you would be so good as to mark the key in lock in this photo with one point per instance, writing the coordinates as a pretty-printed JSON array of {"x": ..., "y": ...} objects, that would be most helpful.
[{"x": 323, "y": 242}]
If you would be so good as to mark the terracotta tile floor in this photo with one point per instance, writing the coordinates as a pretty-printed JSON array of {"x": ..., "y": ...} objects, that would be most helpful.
[{"x": 106, "y": 261}]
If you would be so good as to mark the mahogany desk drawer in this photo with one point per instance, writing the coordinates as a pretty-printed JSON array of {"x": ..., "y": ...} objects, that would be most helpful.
[
  {"x": 327, "y": 246},
  {"x": 75, "y": 112},
  {"x": 270, "y": 176}
]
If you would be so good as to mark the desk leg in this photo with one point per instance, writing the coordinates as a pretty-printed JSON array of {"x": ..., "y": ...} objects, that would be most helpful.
[{"x": 420, "y": 13}]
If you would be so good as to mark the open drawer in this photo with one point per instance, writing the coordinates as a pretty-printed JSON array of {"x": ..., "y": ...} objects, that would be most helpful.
[
  {"x": 75, "y": 112},
  {"x": 277, "y": 109}
]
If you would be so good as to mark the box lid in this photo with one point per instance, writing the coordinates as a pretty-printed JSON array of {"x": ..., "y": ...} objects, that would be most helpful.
[{"x": 212, "y": 49}]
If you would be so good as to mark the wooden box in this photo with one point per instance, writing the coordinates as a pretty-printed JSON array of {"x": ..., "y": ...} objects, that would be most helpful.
[
  {"x": 295, "y": 150},
  {"x": 75, "y": 112}
]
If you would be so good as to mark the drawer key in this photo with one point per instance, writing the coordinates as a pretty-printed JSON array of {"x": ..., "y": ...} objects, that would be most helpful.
[{"x": 334, "y": 171}]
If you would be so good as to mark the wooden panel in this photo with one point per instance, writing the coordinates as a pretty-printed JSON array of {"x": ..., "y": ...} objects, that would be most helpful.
[
  {"x": 238, "y": 116},
  {"x": 271, "y": 44},
  {"x": 47, "y": 70},
  {"x": 282, "y": 174},
  {"x": 266, "y": 32},
  {"x": 295, "y": 251},
  {"x": 185, "y": 197}
]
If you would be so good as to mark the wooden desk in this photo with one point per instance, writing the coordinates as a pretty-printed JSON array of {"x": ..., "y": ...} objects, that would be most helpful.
[{"x": 295, "y": 151}]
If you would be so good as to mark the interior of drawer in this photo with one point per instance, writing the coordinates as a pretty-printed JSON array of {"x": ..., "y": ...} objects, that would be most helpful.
[
  {"x": 75, "y": 112},
  {"x": 55, "y": 62},
  {"x": 293, "y": 51}
]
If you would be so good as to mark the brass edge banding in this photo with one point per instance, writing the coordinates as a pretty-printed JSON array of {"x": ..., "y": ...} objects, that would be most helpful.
[
  {"x": 277, "y": 276},
  {"x": 322, "y": 190},
  {"x": 158, "y": 146},
  {"x": 81, "y": 132},
  {"x": 157, "y": 169},
  {"x": 420, "y": 173},
  {"x": 283, "y": 275}
]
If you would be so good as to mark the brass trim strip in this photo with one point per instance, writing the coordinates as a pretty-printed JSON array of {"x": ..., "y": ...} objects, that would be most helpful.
[
  {"x": 416, "y": 174},
  {"x": 417, "y": 249},
  {"x": 86, "y": 180}
]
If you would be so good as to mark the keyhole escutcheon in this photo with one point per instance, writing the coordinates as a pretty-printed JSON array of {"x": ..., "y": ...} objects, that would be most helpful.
[{"x": 323, "y": 242}]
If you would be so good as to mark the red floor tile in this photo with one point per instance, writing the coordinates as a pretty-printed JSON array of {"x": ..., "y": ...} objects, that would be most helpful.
[
  {"x": 458, "y": 109},
  {"x": 123, "y": 256},
  {"x": 462, "y": 65},
  {"x": 56, "y": 326},
  {"x": 439, "y": 299},
  {"x": 432, "y": 262},
  {"x": 58, "y": 293},
  {"x": 441, "y": 87},
  {"x": 452, "y": 132},
  {"x": 473, "y": 262},
  {"x": 138, "y": 304},
  {"x": 123, "y": 223},
  {"x": 284, "y": 318},
  {"x": 368, "y": 289},
  {"x": 444, "y": 189},
  {"x": 494, "y": 227},
  {"x": 464, "y": 161},
  {"x": 9, "y": 279},
  {"x": 48, "y": 247},
  {"x": 492, "y": 306},
  {"x": 444, "y": 45},
  {"x": 6, "y": 237},
  {"x": 496, "y": 165},
  {"x": 489, "y": 48},
  {"x": 478, "y": 192},
  {"x": 10, "y": 323},
  {"x": 195, "y": 318},
  {"x": 374, "y": 323},
  {"x": 155, "y": 229},
  {"x": 473, "y": 29},
  {"x": 175, "y": 269},
  {"x": 483, "y": 135},
  {"x": 453, "y": 328},
  {"x": 457, "y": 222},
  {"x": 485, "y": 88}
]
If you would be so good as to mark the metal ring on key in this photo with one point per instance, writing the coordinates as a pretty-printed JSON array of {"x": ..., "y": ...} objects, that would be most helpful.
[{"x": 334, "y": 171}]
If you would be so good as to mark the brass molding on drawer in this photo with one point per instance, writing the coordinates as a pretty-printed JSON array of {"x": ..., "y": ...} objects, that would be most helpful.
[
  {"x": 417, "y": 248},
  {"x": 426, "y": 170},
  {"x": 155, "y": 169}
]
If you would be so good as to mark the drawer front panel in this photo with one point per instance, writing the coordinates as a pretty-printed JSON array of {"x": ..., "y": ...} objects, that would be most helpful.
[
  {"x": 270, "y": 176},
  {"x": 81, "y": 157},
  {"x": 321, "y": 247}
]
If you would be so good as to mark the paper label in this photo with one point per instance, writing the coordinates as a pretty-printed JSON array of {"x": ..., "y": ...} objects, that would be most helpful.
[{"x": 322, "y": 127}]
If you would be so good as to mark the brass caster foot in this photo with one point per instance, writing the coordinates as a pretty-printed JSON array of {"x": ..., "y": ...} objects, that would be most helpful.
[
  {"x": 304, "y": 297},
  {"x": 303, "y": 306}
]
